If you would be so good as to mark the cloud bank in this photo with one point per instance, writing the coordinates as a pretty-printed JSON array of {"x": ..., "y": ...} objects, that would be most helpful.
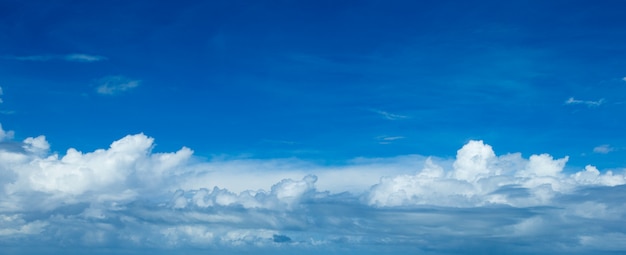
[{"x": 128, "y": 197}]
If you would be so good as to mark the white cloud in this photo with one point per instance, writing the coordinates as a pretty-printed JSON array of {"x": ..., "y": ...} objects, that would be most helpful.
[
  {"x": 479, "y": 178},
  {"x": 390, "y": 116},
  {"x": 130, "y": 196},
  {"x": 37, "y": 145},
  {"x": 603, "y": 149},
  {"x": 76, "y": 57},
  {"x": 571, "y": 101},
  {"x": 111, "y": 85}
]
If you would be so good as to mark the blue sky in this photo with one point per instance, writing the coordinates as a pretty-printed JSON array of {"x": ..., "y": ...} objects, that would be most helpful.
[{"x": 326, "y": 126}]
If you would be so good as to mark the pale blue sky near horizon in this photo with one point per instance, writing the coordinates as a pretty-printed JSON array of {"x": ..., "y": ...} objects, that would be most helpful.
[{"x": 311, "y": 87}]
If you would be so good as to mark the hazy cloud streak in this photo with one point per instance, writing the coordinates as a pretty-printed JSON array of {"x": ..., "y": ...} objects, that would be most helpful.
[
  {"x": 69, "y": 57},
  {"x": 572, "y": 101},
  {"x": 390, "y": 116},
  {"x": 112, "y": 85}
]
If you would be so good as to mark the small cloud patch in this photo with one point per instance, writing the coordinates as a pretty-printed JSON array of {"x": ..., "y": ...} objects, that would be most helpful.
[
  {"x": 83, "y": 58},
  {"x": 603, "y": 149},
  {"x": 112, "y": 85},
  {"x": 388, "y": 139},
  {"x": 588, "y": 103}
]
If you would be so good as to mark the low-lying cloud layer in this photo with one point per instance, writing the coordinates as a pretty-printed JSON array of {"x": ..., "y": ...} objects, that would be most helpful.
[{"x": 129, "y": 197}]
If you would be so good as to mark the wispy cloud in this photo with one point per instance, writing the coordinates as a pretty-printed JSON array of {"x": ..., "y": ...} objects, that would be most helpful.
[
  {"x": 589, "y": 103},
  {"x": 112, "y": 85},
  {"x": 603, "y": 149},
  {"x": 68, "y": 57},
  {"x": 388, "y": 139},
  {"x": 390, "y": 116},
  {"x": 83, "y": 58}
]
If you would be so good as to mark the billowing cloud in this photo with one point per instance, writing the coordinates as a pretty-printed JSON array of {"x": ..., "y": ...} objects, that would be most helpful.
[
  {"x": 76, "y": 57},
  {"x": 588, "y": 103},
  {"x": 128, "y": 196},
  {"x": 480, "y": 178},
  {"x": 111, "y": 85}
]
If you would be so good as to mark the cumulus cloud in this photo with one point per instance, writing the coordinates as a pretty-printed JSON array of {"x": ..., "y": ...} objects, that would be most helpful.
[
  {"x": 479, "y": 178},
  {"x": 76, "y": 57},
  {"x": 126, "y": 195},
  {"x": 112, "y": 85},
  {"x": 588, "y": 103}
]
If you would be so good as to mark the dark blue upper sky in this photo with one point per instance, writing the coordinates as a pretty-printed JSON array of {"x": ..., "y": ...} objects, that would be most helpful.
[{"x": 314, "y": 79}]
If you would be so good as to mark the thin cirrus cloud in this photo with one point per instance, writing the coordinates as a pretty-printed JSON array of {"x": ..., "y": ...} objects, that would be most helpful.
[
  {"x": 589, "y": 103},
  {"x": 390, "y": 116},
  {"x": 86, "y": 58},
  {"x": 112, "y": 85},
  {"x": 388, "y": 139},
  {"x": 128, "y": 196}
]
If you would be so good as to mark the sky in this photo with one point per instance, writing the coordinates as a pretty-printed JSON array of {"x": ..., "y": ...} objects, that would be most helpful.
[{"x": 282, "y": 127}]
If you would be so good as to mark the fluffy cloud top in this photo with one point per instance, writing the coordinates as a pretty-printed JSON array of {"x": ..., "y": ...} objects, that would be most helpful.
[{"x": 128, "y": 196}]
